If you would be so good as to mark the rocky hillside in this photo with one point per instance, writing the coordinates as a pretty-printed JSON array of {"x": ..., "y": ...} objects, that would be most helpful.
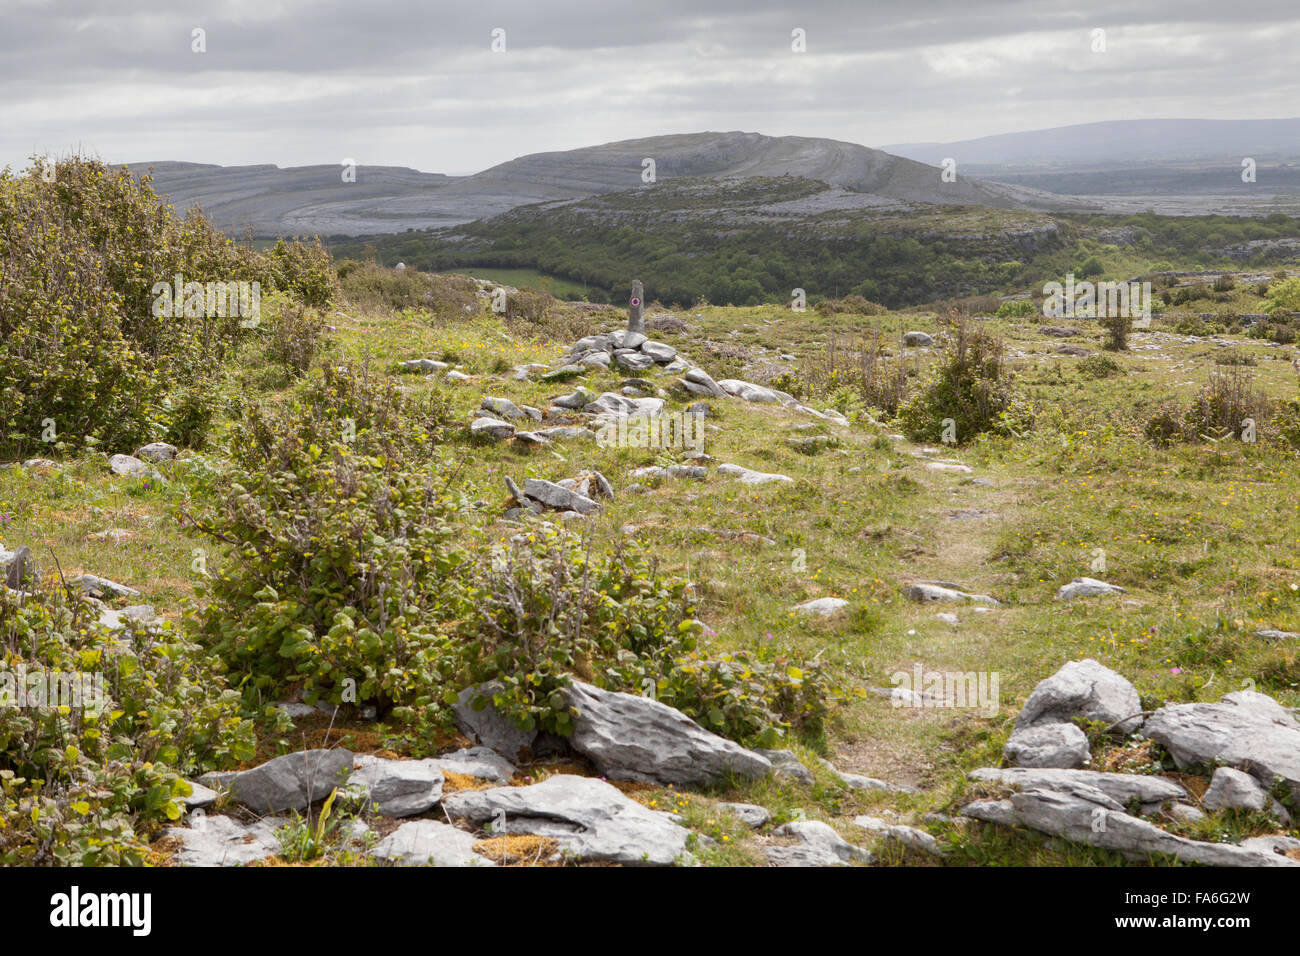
[{"x": 314, "y": 200}]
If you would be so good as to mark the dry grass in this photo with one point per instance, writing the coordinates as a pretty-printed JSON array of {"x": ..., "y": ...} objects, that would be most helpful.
[{"x": 520, "y": 850}]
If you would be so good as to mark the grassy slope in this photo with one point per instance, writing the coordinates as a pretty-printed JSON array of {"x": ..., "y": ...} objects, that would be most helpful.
[{"x": 1202, "y": 537}]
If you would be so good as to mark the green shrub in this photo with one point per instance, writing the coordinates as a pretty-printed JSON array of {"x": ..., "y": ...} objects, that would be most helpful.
[
  {"x": 89, "y": 786},
  {"x": 1283, "y": 297},
  {"x": 1017, "y": 309},
  {"x": 369, "y": 285},
  {"x": 1099, "y": 366},
  {"x": 1220, "y": 409},
  {"x": 81, "y": 340},
  {"x": 296, "y": 331},
  {"x": 851, "y": 376},
  {"x": 554, "y": 607},
  {"x": 757, "y": 699},
  {"x": 341, "y": 565},
  {"x": 1225, "y": 402},
  {"x": 972, "y": 386},
  {"x": 1117, "y": 329},
  {"x": 546, "y": 606}
]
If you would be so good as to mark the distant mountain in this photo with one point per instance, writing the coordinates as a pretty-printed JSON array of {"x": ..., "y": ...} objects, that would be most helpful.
[
  {"x": 314, "y": 199},
  {"x": 1120, "y": 141}
]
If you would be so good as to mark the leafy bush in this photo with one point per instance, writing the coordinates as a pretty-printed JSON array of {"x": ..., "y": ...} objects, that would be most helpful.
[
  {"x": 1092, "y": 266},
  {"x": 302, "y": 270},
  {"x": 1117, "y": 328},
  {"x": 296, "y": 333},
  {"x": 1283, "y": 297},
  {"x": 1099, "y": 366},
  {"x": 554, "y": 607},
  {"x": 1220, "y": 408},
  {"x": 972, "y": 386},
  {"x": 1225, "y": 402},
  {"x": 369, "y": 285},
  {"x": 80, "y": 342},
  {"x": 1166, "y": 425},
  {"x": 546, "y": 607},
  {"x": 88, "y": 785},
  {"x": 1017, "y": 309},
  {"x": 341, "y": 565},
  {"x": 847, "y": 368},
  {"x": 756, "y": 699}
]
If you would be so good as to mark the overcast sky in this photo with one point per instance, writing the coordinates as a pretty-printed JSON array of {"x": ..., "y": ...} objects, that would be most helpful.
[{"x": 407, "y": 83}]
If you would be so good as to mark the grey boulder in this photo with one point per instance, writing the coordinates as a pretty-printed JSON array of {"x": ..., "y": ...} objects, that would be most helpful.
[
  {"x": 590, "y": 819},
  {"x": 1048, "y": 745},
  {"x": 156, "y": 451},
  {"x": 429, "y": 843},
  {"x": 1087, "y": 587},
  {"x": 396, "y": 788},
  {"x": 481, "y": 722},
  {"x": 1087, "y": 815},
  {"x": 224, "y": 841},
  {"x": 1247, "y": 730},
  {"x": 292, "y": 782},
  {"x": 1083, "y": 689},
  {"x": 818, "y": 845},
  {"x": 558, "y": 497},
  {"x": 636, "y": 738}
]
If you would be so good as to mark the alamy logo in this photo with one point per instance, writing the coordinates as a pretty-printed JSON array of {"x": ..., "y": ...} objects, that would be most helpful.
[
  {"x": 198, "y": 300},
  {"x": 969, "y": 689},
  {"x": 1101, "y": 300},
  {"x": 665, "y": 432},
  {"x": 73, "y": 909},
  {"x": 42, "y": 689}
]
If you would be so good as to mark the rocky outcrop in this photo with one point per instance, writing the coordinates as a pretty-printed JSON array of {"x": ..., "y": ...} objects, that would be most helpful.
[
  {"x": 590, "y": 820},
  {"x": 635, "y": 738}
]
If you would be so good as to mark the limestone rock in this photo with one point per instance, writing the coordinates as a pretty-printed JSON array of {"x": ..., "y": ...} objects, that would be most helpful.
[
  {"x": 492, "y": 428},
  {"x": 224, "y": 841},
  {"x": 590, "y": 819},
  {"x": 102, "y": 587},
  {"x": 481, "y": 762},
  {"x": 1048, "y": 745},
  {"x": 750, "y": 814},
  {"x": 558, "y": 497},
  {"x": 927, "y": 591},
  {"x": 1087, "y": 815},
  {"x": 1083, "y": 689},
  {"x": 907, "y": 836},
  {"x": 1245, "y": 730},
  {"x": 1148, "y": 790},
  {"x": 501, "y": 407},
  {"x": 156, "y": 451},
  {"x": 658, "y": 351},
  {"x": 486, "y": 725},
  {"x": 130, "y": 466},
  {"x": 396, "y": 788},
  {"x": 1087, "y": 587},
  {"x": 291, "y": 782},
  {"x": 819, "y": 845},
  {"x": 1233, "y": 790},
  {"x": 636, "y": 738},
  {"x": 786, "y": 764},
  {"x": 824, "y": 607},
  {"x": 429, "y": 843},
  {"x": 750, "y": 477}
]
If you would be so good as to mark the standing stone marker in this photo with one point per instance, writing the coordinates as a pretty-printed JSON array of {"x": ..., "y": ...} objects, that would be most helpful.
[{"x": 635, "y": 319}]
